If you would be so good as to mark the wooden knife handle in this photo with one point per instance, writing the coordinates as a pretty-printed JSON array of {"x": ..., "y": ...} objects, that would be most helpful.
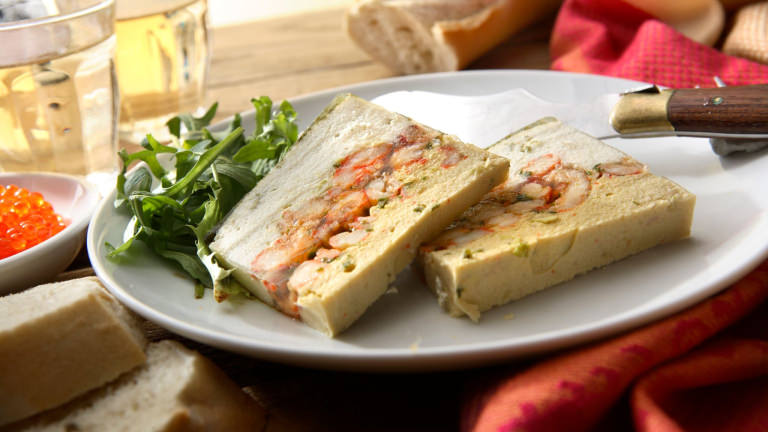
[{"x": 742, "y": 109}]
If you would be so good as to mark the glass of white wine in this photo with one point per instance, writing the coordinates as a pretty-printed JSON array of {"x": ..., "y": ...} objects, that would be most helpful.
[
  {"x": 162, "y": 63},
  {"x": 58, "y": 93}
]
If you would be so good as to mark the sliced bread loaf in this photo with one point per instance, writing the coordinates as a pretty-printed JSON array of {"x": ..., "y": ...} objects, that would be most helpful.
[
  {"x": 176, "y": 390},
  {"x": 60, "y": 340},
  {"x": 417, "y": 36}
]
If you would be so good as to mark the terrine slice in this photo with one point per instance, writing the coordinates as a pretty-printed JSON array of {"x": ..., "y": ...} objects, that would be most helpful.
[
  {"x": 324, "y": 233},
  {"x": 570, "y": 204}
]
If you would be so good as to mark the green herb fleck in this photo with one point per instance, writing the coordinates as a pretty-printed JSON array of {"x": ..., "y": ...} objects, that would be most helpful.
[
  {"x": 523, "y": 197},
  {"x": 382, "y": 202},
  {"x": 348, "y": 265},
  {"x": 467, "y": 254},
  {"x": 435, "y": 207},
  {"x": 521, "y": 249},
  {"x": 419, "y": 208},
  {"x": 547, "y": 219},
  {"x": 526, "y": 173},
  {"x": 337, "y": 164},
  {"x": 329, "y": 260}
]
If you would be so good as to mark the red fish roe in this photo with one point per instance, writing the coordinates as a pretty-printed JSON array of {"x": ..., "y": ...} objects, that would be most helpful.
[{"x": 26, "y": 219}]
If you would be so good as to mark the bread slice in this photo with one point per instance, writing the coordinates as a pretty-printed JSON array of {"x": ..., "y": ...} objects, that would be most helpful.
[
  {"x": 60, "y": 340},
  {"x": 323, "y": 234},
  {"x": 417, "y": 36},
  {"x": 176, "y": 390},
  {"x": 570, "y": 204}
]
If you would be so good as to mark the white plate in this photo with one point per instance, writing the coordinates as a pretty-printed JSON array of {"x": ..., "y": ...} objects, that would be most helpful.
[
  {"x": 408, "y": 331},
  {"x": 75, "y": 201}
]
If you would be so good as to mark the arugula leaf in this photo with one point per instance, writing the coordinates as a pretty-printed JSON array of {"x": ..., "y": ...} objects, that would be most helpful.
[
  {"x": 211, "y": 172},
  {"x": 198, "y": 123},
  {"x": 202, "y": 164},
  {"x": 174, "y": 126},
  {"x": 257, "y": 148}
]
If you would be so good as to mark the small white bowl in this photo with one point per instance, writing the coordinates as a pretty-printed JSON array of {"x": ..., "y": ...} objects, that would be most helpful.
[{"x": 75, "y": 201}]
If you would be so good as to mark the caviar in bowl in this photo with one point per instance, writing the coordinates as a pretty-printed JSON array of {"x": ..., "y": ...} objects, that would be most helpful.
[{"x": 58, "y": 234}]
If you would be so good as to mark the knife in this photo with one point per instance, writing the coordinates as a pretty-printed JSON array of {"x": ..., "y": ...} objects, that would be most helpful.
[
  {"x": 728, "y": 112},
  {"x": 733, "y": 115}
]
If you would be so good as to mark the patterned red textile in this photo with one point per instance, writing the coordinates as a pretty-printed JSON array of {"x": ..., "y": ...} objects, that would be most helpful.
[
  {"x": 610, "y": 37},
  {"x": 693, "y": 371},
  {"x": 703, "y": 369}
]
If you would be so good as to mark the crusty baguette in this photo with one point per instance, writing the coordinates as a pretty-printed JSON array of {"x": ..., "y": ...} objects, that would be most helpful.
[
  {"x": 60, "y": 340},
  {"x": 571, "y": 204},
  {"x": 732, "y": 5},
  {"x": 176, "y": 390},
  {"x": 417, "y": 36},
  {"x": 748, "y": 37},
  {"x": 699, "y": 20},
  {"x": 325, "y": 232}
]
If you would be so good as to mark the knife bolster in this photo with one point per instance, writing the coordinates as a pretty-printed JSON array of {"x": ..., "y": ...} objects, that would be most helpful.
[{"x": 642, "y": 112}]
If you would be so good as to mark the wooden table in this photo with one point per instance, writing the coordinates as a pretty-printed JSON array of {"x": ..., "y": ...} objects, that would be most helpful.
[
  {"x": 299, "y": 54},
  {"x": 290, "y": 56}
]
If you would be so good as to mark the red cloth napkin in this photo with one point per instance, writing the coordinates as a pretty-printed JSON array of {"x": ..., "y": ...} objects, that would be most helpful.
[
  {"x": 684, "y": 373},
  {"x": 703, "y": 369},
  {"x": 610, "y": 37}
]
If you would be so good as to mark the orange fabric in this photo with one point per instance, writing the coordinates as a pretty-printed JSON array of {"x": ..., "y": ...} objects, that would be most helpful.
[
  {"x": 719, "y": 387},
  {"x": 672, "y": 388}
]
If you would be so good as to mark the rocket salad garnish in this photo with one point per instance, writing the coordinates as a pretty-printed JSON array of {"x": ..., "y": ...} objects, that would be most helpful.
[{"x": 211, "y": 172}]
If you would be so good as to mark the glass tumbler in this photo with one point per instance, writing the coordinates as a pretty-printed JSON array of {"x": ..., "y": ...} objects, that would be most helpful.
[
  {"x": 58, "y": 92},
  {"x": 162, "y": 63}
]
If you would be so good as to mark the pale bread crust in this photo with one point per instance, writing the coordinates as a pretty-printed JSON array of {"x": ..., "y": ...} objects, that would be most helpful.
[
  {"x": 60, "y": 340},
  {"x": 746, "y": 39},
  {"x": 699, "y": 20},
  {"x": 176, "y": 390},
  {"x": 418, "y": 36}
]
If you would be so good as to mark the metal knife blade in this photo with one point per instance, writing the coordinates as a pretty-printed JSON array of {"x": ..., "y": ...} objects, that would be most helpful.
[
  {"x": 728, "y": 112},
  {"x": 483, "y": 120}
]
